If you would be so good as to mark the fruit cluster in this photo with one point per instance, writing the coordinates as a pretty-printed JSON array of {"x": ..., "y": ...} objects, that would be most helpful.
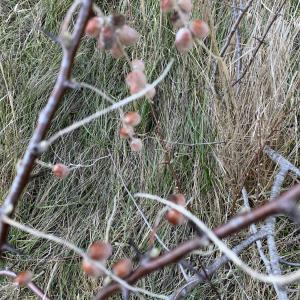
[
  {"x": 188, "y": 30},
  {"x": 112, "y": 33}
]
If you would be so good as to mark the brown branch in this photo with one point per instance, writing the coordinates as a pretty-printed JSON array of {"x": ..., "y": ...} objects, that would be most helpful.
[
  {"x": 235, "y": 27},
  {"x": 44, "y": 120},
  {"x": 31, "y": 285},
  {"x": 261, "y": 42},
  {"x": 285, "y": 204}
]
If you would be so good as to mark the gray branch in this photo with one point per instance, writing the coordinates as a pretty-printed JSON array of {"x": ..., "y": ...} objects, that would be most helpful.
[{"x": 201, "y": 277}]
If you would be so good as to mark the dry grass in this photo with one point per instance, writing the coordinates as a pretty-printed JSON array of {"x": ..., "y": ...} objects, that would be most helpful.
[{"x": 192, "y": 112}]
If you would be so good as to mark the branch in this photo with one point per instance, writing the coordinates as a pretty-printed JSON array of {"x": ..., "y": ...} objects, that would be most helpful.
[
  {"x": 121, "y": 103},
  {"x": 44, "y": 121},
  {"x": 277, "y": 14},
  {"x": 216, "y": 265},
  {"x": 285, "y": 204},
  {"x": 31, "y": 285},
  {"x": 235, "y": 27}
]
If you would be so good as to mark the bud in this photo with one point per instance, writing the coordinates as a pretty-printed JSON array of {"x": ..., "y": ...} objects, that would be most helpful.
[
  {"x": 175, "y": 217},
  {"x": 185, "y": 5},
  {"x": 90, "y": 270},
  {"x": 199, "y": 29},
  {"x": 136, "y": 81},
  {"x": 60, "y": 170},
  {"x": 136, "y": 145},
  {"x": 23, "y": 278},
  {"x": 100, "y": 250},
  {"x": 166, "y": 5},
  {"x": 184, "y": 40},
  {"x": 178, "y": 199},
  {"x": 132, "y": 118},
  {"x": 154, "y": 252},
  {"x": 126, "y": 132},
  {"x": 116, "y": 51},
  {"x": 93, "y": 27},
  {"x": 127, "y": 35},
  {"x": 151, "y": 93},
  {"x": 138, "y": 64},
  {"x": 122, "y": 268}
]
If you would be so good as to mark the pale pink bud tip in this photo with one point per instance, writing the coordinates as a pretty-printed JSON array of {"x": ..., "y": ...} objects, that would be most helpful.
[
  {"x": 184, "y": 40},
  {"x": 132, "y": 118},
  {"x": 138, "y": 64},
  {"x": 60, "y": 171},
  {"x": 93, "y": 27},
  {"x": 185, "y": 5},
  {"x": 127, "y": 35},
  {"x": 175, "y": 217},
  {"x": 90, "y": 269},
  {"x": 136, "y": 145},
  {"x": 166, "y": 5},
  {"x": 199, "y": 29}
]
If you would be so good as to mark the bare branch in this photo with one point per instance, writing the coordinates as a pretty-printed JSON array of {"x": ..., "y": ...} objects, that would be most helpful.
[{"x": 44, "y": 121}]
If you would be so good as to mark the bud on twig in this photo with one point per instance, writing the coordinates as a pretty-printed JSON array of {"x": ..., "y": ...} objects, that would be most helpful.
[
  {"x": 23, "y": 278},
  {"x": 60, "y": 171},
  {"x": 122, "y": 268}
]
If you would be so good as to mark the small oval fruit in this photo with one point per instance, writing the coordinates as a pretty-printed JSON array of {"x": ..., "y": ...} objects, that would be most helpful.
[
  {"x": 184, "y": 40},
  {"x": 174, "y": 217},
  {"x": 100, "y": 250},
  {"x": 136, "y": 145},
  {"x": 60, "y": 171},
  {"x": 122, "y": 268},
  {"x": 93, "y": 27},
  {"x": 199, "y": 29},
  {"x": 132, "y": 118}
]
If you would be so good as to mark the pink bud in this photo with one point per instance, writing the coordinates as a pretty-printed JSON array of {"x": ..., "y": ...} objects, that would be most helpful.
[
  {"x": 136, "y": 81},
  {"x": 184, "y": 40},
  {"x": 60, "y": 171},
  {"x": 127, "y": 35},
  {"x": 185, "y": 5},
  {"x": 93, "y": 27},
  {"x": 136, "y": 145},
  {"x": 150, "y": 94},
  {"x": 138, "y": 64},
  {"x": 132, "y": 118},
  {"x": 199, "y": 29},
  {"x": 126, "y": 132},
  {"x": 166, "y": 5}
]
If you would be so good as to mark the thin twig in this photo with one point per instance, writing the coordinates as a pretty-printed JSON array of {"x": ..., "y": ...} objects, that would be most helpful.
[
  {"x": 277, "y": 14},
  {"x": 113, "y": 107},
  {"x": 31, "y": 285}
]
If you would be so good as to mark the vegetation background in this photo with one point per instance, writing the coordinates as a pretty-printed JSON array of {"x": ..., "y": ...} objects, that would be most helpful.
[{"x": 213, "y": 133}]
